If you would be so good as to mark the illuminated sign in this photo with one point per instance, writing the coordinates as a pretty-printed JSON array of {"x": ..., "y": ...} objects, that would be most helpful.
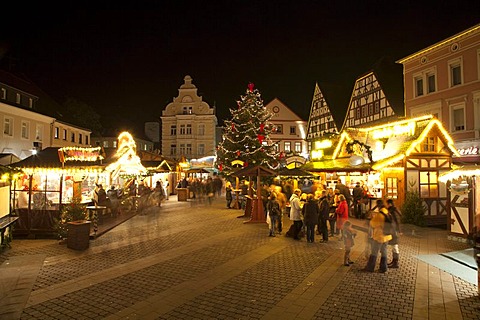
[
  {"x": 469, "y": 151},
  {"x": 397, "y": 130},
  {"x": 324, "y": 144},
  {"x": 317, "y": 154},
  {"x": 79, "y": 154}
]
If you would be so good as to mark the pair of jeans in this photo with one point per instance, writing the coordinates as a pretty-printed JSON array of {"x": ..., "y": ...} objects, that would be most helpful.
[
  {"x": 298, "y": 224},
  {"x": 273, "y": 223},
  {"x": 310, "y": 232}
]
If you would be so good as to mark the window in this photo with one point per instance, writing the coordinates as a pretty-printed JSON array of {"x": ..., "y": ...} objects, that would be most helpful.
[
  {"x": 429, "y": 144},
  {"x": 39, "y": 132},
  {"x": 455, "y": 73},
  {"x": 25, "y": 129},
  {"x": 431, "y": 85},
  {"x": 428, "y": 184},
  {"x": 287, "y": 147},
  {"x": 293, "y": 130},
  {"x": 458, "y": 118},
  {"x": 298, "y": 147},
  {"x": 114, "y": 143},
  {"x": 182, "y": 149},
  {"x": 201, "y": 149},
  {"x": 364, "y": 111},
  {"x": 377, "y": 106},
  {"x": 105, "y": 144},
  {"x": 276, "y": 147},
  {"x": 18, "y": 98},
  {"x": 8, "y": 126},
  {"x": 391, "y": 188},
  {"x": 86, "y": 141},
  {"x": 173, "y": 130},
  {"x": 80, "y": 138},
  {"x": 30, "y": 103},
  {"x": 201, "y": 129},
  {"x": 418, "y": 87},
  {"x": 4, "y": 93},
  {"x": 72, "y": 137},
  {"x": 173, "y": 149},
  {"x": 57, "y": 133},
  {"x": 182, "y": 129},
  {"x": 187, "y": 110},
  {"x": 188, "y": 149},
  {"x": 358, "y": 113},
  {"x": 370, "y": 109},
  {"x": 189, "y": 129},
  {"x": 64, "y": 135},
  {"x": 279, "y": 128}
]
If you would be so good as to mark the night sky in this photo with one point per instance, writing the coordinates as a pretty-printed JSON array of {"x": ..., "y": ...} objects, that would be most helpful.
[{"x": 128, "y": 61}]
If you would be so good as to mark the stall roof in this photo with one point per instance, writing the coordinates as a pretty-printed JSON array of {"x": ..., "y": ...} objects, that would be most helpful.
[
  {"x": 294, "y": 172},
  {"x": 49, "y": 158},
  {"x": 254, "y": 171},
  {"x": 337, "y": 165}
]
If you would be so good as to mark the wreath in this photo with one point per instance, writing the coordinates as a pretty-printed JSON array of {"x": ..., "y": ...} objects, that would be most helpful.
[{"x": 363, "y": 146}]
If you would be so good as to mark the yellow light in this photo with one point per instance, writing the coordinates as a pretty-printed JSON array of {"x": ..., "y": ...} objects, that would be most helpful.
[
  {"x": 380, "y": 165},
  {"x": 324, "y": 144},
  {"x": 239, "y": 162},
  {"x": 317, "y": 154},
  {"x": 343, "y": 137},
  {"x": 396, "y": 130}
]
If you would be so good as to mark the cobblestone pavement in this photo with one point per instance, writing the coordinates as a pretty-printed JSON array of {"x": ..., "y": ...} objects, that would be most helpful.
[{"x": 187, "y": 260}]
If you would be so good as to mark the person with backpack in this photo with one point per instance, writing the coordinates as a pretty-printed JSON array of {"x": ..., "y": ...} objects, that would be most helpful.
[
  {"x": 395, "y": 214},
  {"x": 380, "y": 224}
]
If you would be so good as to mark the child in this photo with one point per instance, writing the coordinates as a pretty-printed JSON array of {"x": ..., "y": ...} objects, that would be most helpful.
[{"x": 349, "y": 234}]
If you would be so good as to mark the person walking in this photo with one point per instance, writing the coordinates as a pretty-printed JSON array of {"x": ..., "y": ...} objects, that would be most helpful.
[
  {"x": 228, "y": 194},
  {"x": 114, "y": 201},
  {"x": 323, "y": 215},
  {"x": 342, "y": 214},
  {"x": 345, "y": 191},
  {"x": 296, "y": 213},
  {"x": 396, "y": 215},
  {"x": 159, "y": 193},
  {"x": 348, "y": 241},
  {"x": 357, "y": 200},
  {"x": 282, "y": 200},
  {"x": 379, "y": 225},
  {"x": 273, "y": 209},
  {"x": 310, "y": 212}
]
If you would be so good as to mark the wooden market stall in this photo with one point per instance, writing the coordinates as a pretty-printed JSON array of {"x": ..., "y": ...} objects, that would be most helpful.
[{"x": 395, "y": 158}]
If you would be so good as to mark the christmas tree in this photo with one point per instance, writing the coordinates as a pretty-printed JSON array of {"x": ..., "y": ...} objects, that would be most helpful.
[{"x": 246, "y": 136}]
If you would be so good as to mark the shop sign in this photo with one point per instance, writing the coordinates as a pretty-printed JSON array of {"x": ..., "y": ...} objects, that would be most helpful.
[
  {"x": 397, "y": 130},
  {"x": 79, "y": 154},
  {"x": 469, "y": 151}
]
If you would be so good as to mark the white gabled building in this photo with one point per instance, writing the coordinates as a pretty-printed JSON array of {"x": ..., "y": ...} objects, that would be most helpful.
[
  {"x": 289, "y": 136},
  {"x": 188, "y": 125}
]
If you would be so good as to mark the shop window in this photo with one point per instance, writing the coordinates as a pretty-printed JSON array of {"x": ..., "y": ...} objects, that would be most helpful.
[
  {"x": 428, "y": 184},
  {"x": 429, "y": 144},
  {"x": 288, "y": 146},
  {"x": 391, "y": 188},
  {"x": 173, "y": 130}
]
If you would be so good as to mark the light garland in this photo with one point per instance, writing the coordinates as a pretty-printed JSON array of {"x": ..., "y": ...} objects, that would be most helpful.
[{"x": 80, "y": 154}]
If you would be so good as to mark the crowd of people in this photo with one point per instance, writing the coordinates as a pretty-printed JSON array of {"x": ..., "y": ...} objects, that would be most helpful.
[{"x": 326, "y": 212}]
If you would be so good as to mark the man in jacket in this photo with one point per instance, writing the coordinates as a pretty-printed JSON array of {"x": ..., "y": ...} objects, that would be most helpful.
[
  {"x": 379, "y": 225},
  {"x": 324, "y": 206},
  {"x": 296, "y": 213}
]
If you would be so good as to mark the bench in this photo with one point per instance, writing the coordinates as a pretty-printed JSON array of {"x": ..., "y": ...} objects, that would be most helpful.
[{"x": 6, "y": 222}]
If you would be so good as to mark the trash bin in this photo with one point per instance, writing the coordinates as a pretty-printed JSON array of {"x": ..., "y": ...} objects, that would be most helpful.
[{"x": 182, "y": 194}]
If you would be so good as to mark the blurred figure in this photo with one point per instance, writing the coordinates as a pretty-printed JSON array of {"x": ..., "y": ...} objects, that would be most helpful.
[
  {"x": 228, "y": 194},
  {"x": 396, "y": 215},
  {"x": 342, "y": 214},
  {"x": 295, "y": 213},
  {"x": 282, "y": 200},
  {"x": 273, "y": 209},
  {"x": 348, "y": 239},
  {"x": 323, "y": 216},
  {"x": 112, "y": 195},
  {"x": 310, "y": 212}
]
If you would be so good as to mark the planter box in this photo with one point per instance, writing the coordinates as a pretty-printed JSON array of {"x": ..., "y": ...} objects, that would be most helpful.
[{"x": 78, "y": 235}]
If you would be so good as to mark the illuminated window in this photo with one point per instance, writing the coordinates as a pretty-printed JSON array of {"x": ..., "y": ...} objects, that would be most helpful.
[
  {"x": 57, "y": 133},
  {"x": 18, "y": 98},
  {"x": 30, "y": 103},
  {"x": 429, "y": 144},
  {"x": 276, "y": 147},
  {"x": 173, "y": 149},
  {"x": 105, "y": 144},
  {"x": 173, "y": 130},
  {"x": 293, "y": 130},
  {"x": 8, "y": 126},
  {"x": 189, "y": 129},
  {"x": 455, "y": 72},
  {"x": 4, "y": 93},
  {"x": 298, "y": 147},
  {"x": 391, "y": 188},
  {"x": 187, "y": 110},
  {"x": 428, "y": 184},
  {"x": 64, "y": 134},
  {"x": 458, "y": 118},
  {"x": 287, "y": 147},
  {"x": 114, "y": 142}
]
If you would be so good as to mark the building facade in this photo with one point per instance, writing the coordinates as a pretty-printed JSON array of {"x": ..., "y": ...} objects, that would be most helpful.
[
  {"x": 188, "y": 125},
  {"x": 290, "y": 133},
  {"x": 444, "y": 80},
  {"x": 25, "y": 130}
]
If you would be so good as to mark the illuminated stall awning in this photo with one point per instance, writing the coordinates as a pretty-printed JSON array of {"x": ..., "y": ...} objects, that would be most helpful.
[{"x": 459, "y": 172}]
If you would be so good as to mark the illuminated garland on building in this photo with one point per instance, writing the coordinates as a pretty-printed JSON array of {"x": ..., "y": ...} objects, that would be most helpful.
[{"x": 80, "y": 154}]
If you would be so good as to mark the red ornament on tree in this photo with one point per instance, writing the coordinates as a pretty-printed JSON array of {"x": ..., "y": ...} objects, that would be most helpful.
[
  {"x": 233, "y": 127},
  {"x": 245, "y": 164},
  {"x": 220, "y": 167},
  {"x": 260, "y": 138},
  {"x": 238, "y": 153},
  {"x": 250, "y": 87},
  {"x": 262, "y": 127}
]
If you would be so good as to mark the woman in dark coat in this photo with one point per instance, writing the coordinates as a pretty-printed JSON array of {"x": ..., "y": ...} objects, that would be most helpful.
[
  {"x": 228, "y": 194},
  {"x": 310, "y": 212}
]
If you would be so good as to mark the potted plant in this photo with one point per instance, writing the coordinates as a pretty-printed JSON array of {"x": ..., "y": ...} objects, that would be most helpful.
[{"x": 73, "y": 225}]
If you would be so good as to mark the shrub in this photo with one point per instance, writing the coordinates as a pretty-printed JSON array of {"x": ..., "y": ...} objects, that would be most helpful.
[
  {"x": 74, "y": 211},
  {"x": 413, "y": 209}
]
